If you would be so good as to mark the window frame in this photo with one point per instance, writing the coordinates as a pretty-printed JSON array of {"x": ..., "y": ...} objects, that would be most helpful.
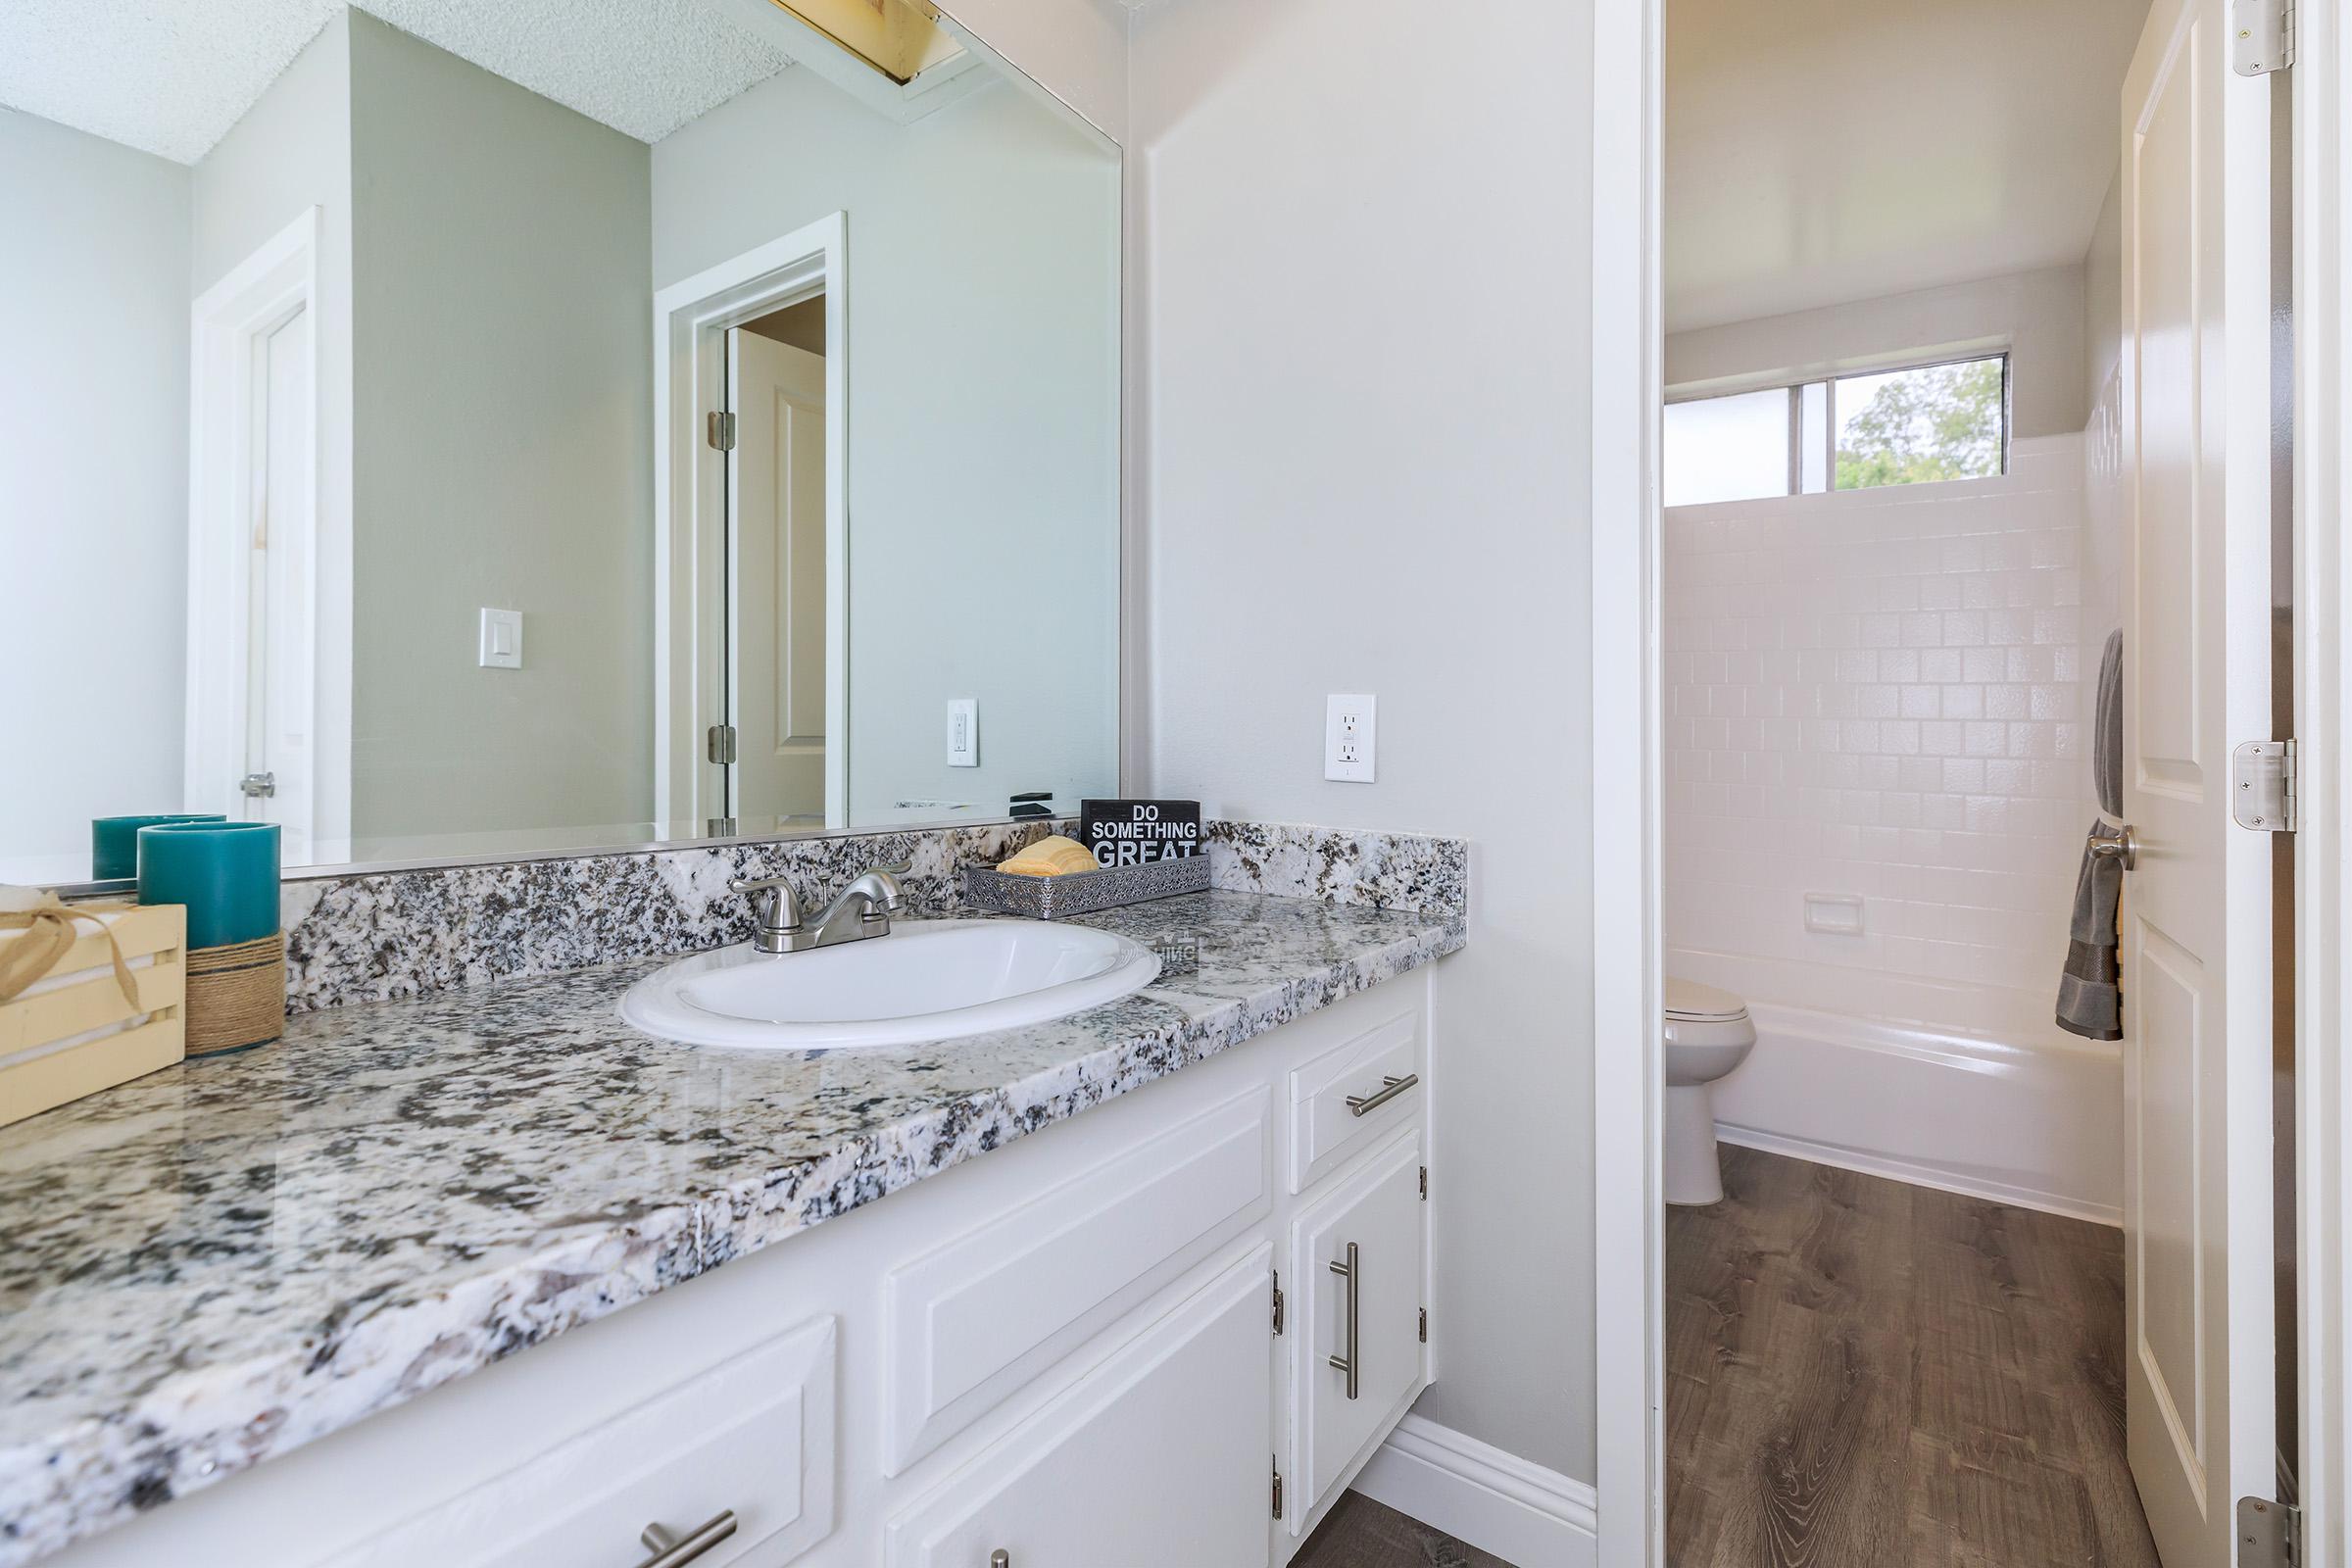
[{"x": 1793, "y": 478}]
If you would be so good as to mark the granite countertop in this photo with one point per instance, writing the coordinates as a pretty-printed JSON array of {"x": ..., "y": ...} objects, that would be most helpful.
[{"x": 226, "y": 1259}]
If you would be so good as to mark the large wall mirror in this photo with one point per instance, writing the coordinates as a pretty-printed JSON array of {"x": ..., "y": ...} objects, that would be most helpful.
[{"x": 493, "y": 429}]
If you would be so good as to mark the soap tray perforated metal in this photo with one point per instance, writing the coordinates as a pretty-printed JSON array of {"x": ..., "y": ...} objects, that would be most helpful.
[{"x": 1051, "y": 897}]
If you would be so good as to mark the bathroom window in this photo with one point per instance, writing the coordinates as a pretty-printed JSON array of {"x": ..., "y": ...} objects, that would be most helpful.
[{"x": 1919, "y": 424}]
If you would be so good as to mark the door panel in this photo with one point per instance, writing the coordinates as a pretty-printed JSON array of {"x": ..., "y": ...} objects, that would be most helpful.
[
  {"x": 777, "y": 587},
  {"x": 1188, "y": 1401},
  {"x": 2194, "y": 931},
  {"x": 1379, "y": 1210}
]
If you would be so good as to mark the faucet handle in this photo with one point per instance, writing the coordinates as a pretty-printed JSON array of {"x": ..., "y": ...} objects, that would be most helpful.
[{"x": 774, "y": 905}]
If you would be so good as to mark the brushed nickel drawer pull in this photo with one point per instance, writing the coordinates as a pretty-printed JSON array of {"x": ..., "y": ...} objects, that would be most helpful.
[
  {"x": 675, "y": 1552},
  {"x": 1389, "y": 1089},
  {"x": 1353, "y": 1271},
  {"x": 999, "y": 1558}
]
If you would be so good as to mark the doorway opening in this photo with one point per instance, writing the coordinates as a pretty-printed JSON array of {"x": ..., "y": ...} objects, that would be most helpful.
[
  {"x": 1965, "y": 1073},
  {"x": 775, "y": 601},
  {"x": 751, "y": 498},
  {"x": 269, "y": 722}
]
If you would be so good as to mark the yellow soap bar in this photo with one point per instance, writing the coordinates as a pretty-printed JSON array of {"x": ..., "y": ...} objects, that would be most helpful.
[{"x": 1051, "y": 857}]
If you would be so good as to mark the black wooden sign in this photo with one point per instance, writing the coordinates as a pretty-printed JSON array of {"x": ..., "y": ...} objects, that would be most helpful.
[{"x": 1138, "y": 832}]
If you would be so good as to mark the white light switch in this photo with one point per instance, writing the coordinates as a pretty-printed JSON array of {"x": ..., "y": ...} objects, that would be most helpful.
[
  {"x": 502, "y": 639},
  {"x": 963, "y": 732},
  {"x": 1348, "y": 737}
]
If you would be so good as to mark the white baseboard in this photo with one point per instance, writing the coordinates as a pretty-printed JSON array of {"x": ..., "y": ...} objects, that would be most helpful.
[
  {"x": 1527, "y": 1515},
  {"x": 1901, "y": 1170}
]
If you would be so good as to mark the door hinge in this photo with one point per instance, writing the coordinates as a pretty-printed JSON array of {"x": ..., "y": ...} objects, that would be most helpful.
[
  {"x": 2262, "y": 36},
  {"x": 1424, "y": 1184},
  {"x": 1278, "y": 1301},
  {"x": 1277, "y": 1465},
  {"x": 2263, "y": 796},
  {"x": 2270, "y": 1535},
  {"x": 719, "y": 430},
  {"x": 719, "y": 744},
  {"x": 1425, "y": 1325}
]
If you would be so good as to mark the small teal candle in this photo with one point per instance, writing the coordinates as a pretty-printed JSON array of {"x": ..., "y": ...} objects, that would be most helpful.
[
  {"x": 225, "y": 872},
  {"x": 114, "y": 842}
]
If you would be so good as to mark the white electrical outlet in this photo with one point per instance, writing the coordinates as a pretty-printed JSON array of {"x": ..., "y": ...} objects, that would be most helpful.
[
  {"x": 502, "y": 639},
  {"x": 963, "y": 732},
  {"x": 1349, "y": 730}
]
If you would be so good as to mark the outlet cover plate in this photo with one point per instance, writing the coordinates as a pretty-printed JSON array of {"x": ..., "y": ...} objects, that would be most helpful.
[
  {"x": 1349, "y": 731},
  {"x": 963, "y": 732}
]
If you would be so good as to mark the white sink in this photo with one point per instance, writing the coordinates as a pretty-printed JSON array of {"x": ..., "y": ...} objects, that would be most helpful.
[{"x": 926, "y": 980}]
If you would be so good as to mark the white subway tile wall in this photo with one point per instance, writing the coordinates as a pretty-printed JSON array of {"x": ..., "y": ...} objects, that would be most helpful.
[{"x": 1882, "y": 693}]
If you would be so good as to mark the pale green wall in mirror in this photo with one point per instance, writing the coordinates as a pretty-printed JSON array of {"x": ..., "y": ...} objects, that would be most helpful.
[
  {"x": 481, "y": 268},
  {"x": 983, "y": 290},
  {"x": 93, "y": 361},
  {"x": 504, "y": 452}
]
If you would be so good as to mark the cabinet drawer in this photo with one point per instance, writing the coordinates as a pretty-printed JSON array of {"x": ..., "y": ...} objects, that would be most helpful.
[
  {"x": 1155, "y": 1459},
  {"x": 1386, "y": 1058},
  {"x": 753, "y": 1436},
  {"x": 1370, "y": 1224},
  {"x": 972, "y": 1320}
]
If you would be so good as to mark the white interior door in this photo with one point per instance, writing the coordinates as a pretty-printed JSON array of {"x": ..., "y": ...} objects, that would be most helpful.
[
  {"x": 278, "y": 785},
  {"x": 2195, "y": 929},
  {"x": 777, "y": 585}
]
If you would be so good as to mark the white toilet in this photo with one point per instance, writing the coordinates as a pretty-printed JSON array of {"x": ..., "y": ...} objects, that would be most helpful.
[{"x": 1708, "y": 1034}]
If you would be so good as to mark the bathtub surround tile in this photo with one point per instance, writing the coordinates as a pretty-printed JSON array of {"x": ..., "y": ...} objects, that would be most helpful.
[
  {"x": 1883, "y": 693},
  {"x": 223, "y": 1260},
  {"x": 1373, "y": 870}
]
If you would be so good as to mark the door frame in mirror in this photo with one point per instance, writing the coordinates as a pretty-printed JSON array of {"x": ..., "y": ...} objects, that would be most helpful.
[
  {"x": 225, "y": 323},
  {"x": 691, "y": 319}
]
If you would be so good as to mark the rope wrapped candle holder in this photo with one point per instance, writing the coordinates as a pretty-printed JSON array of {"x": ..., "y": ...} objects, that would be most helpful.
[{"x": 226, "y": 874}]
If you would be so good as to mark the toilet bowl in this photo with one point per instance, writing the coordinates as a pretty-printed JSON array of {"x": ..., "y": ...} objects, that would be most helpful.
[{"x": 1709, "y": 1035}]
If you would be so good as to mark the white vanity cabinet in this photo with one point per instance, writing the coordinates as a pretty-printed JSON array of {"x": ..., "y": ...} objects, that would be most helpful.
[{"x": 1108, "y": 1344}]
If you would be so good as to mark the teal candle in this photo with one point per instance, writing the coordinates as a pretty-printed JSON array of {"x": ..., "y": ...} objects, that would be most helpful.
[
  {"x": 225, "y": 872},
  {"x": 114, "y": 842}
]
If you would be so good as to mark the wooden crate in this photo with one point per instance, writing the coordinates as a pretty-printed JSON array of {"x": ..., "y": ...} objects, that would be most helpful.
[{"x": 81, "y": 995}]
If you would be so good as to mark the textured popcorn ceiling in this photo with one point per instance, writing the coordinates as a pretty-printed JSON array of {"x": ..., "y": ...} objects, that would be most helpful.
[{"x": 171, "y": 76}]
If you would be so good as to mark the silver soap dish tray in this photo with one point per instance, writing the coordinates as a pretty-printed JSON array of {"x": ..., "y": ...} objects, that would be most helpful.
[{"x": 1051, "y": 898}]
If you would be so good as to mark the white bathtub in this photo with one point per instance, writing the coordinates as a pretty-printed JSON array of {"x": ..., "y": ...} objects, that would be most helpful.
[{"x": 2030, "y": 1115}]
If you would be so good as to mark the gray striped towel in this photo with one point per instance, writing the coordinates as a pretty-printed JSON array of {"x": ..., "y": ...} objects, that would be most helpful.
[{"x": 2091, "y": 998}]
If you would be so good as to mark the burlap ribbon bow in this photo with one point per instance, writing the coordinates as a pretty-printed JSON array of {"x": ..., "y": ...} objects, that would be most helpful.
[{"x": 48, "y": 927}]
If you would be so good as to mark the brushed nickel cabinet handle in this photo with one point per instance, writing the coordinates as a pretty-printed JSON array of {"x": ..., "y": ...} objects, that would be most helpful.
[
  {"x": 1353, "y": 1271},
  {"x": 999, "y": 1558},
  {"x": 1389, "y": 1089},
  {"x": 675, "y": 1551}
]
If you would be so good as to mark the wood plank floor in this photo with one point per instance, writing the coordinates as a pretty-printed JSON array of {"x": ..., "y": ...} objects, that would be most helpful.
[
  {"x": 1359, "y": 1533},
  {"x": 1862, "y": 1374}
]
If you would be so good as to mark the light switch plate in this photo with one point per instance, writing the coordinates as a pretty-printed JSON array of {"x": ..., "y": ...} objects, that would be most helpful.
[
  {"x": 963, "y": 732},
  {"x": 1349, "y": 728},
  {"x": 502, "y": 639}
]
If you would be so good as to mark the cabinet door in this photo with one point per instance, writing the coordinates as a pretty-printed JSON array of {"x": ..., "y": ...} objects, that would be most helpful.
[
  {"x": 753, "y": 1436},
  {"x": 1337, "y": 1419},
  {"x": 1158, "y": 1458}
]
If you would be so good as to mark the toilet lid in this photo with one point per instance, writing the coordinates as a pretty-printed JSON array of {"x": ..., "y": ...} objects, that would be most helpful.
[{"x": 1688, "y": 998}]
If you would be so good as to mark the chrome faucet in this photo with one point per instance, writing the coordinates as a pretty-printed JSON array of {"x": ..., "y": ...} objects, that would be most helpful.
[{"x": 863, "y": 910}]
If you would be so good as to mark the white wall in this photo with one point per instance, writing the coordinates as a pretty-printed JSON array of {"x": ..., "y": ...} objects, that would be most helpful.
[
  {"x": 2038, "y": 315},
  {"x": 1878, "y": 693},
  {"x": 94, "y": 316},
  {"x": 503, "y": 454},
  {"x": 1339, "y": 503},
  {"x": 983, "y": 347}
]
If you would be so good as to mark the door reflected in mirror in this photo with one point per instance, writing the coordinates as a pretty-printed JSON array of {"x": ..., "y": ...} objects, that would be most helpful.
[{"x": 444, "y": 441}]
